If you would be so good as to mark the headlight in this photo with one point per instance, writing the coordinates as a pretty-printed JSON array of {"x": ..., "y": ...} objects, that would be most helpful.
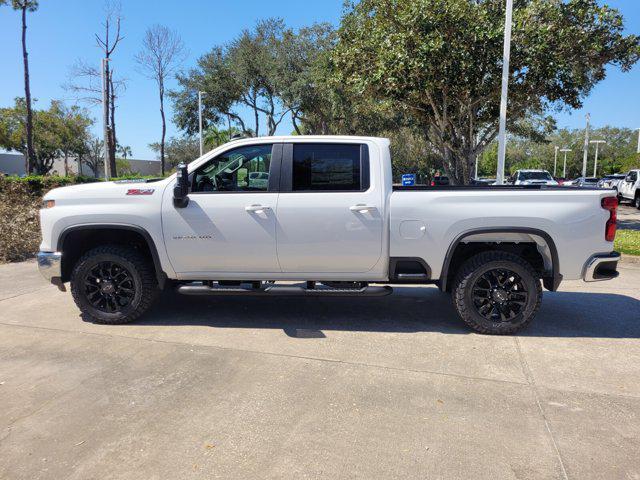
[{"x": 48, "y": 204}]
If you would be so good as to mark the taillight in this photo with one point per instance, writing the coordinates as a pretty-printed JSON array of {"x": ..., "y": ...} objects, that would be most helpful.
[
  {"x": 433, "y": 183},
  {"x": 611, "y": 204}
]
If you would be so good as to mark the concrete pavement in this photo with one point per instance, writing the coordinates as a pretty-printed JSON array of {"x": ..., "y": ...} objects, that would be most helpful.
[
  {"x": 628, "y": 217},
  {"x": 390, "y": 387}
]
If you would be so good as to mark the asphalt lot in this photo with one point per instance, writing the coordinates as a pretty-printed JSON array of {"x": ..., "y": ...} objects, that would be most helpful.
[
  {"x": 628, "y": 217},
  {"x": 390, "y": 387}
]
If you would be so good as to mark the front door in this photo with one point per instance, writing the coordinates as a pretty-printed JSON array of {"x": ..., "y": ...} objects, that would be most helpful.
[
  {"x": 229, "y": 224},
  {"x": 330, "y": 213}
]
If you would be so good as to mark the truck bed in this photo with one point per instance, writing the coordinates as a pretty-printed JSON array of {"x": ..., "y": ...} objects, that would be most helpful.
[{"x": 401, "y": 188}]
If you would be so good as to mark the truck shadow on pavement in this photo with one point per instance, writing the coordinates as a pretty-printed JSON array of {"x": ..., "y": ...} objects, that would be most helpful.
[{"x": 409, "y": 309}]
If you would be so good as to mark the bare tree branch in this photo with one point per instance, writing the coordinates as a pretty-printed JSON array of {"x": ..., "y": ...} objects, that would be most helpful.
[{"x": 162, "y": 53}]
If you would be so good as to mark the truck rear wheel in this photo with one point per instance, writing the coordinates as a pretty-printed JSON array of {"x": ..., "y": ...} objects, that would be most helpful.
[
  {"x": 497, "y": 293},
  {"x": 113, "y": 284}
]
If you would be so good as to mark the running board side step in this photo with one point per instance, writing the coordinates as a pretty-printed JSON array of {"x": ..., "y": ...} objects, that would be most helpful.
[{"x": 286, "y": 290}]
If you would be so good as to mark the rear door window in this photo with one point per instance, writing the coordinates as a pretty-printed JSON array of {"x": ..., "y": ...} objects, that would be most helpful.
[{"x": 328, "y": 167}]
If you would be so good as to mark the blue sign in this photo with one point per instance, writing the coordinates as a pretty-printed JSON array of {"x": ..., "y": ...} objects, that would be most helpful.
[{"x": 408, "y": 179}]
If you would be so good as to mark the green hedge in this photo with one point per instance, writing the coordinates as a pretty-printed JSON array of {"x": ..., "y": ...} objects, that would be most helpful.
[{"x": 20, "y": 201}]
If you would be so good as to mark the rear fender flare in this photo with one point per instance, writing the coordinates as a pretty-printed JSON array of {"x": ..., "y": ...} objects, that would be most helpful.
[{"x": 551, "y": 283}]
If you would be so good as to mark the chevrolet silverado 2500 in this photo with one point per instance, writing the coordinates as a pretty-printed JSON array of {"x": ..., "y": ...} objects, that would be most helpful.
[{"x": 322, "y": 211}]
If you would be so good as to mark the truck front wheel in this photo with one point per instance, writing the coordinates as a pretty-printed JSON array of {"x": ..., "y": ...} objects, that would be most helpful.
[
  {"x": 497, "y": 293},
  {"x": 113, "y": 284}
]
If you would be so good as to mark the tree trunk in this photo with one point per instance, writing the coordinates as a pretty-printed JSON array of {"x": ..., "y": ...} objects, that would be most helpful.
[
  {"x": 164, "y": 126},
  {"x": 255, "y": 113},
  {"x": 295, "y": 124},
  {"x": 30, "y": 161},
  {"x": 111, "y": 133},
  {"x": 66, "y": 164},
  {"x": 114, "y": 139}
]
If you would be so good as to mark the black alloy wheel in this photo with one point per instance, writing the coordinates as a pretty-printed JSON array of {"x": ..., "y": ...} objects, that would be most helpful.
[
  {"x": 499, "y": 295},
  {"x": 109, "y": 287}
]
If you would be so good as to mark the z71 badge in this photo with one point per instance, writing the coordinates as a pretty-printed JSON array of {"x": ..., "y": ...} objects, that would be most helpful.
[{"x": 140, "y": 191}]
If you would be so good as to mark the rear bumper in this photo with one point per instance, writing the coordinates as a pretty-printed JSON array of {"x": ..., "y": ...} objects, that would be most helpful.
[
  {"x": 50, "y": 266},
  {"x": 601, "y": 267}
]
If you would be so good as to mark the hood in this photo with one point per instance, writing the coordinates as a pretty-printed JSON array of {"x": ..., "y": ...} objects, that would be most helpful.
[
  {"x": 106, "y": 190},
  {"x": 537, "y": 182}
]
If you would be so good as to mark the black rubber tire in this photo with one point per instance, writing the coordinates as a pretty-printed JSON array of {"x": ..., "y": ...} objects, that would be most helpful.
[
  {"x": 146, "y": 286},
  {"x": 636, "y": 201},
  {"x": 472, "y": 269}
]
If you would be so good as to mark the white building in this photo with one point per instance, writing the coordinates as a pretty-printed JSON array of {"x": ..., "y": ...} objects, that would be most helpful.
[{"x": 13, "y": 164}]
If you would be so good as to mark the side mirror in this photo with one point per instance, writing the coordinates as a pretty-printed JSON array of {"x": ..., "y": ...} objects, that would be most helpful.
[{"x": 181, "y": 188}]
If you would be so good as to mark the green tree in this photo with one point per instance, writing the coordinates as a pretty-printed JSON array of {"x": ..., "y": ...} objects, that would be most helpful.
[
  {"x": 73, "y": 133},
  {"x": 179, "y": 150},
  {"x": 58, "y": 131},
  {"x": 25, "y": 6},
  {"x": 94, "y": 157},
  {"x": 264, "y": 70},
  {"x": 124, "y": 167},
  {"x": 215, "y": 136},
  {"x": 441, "y": 60}
]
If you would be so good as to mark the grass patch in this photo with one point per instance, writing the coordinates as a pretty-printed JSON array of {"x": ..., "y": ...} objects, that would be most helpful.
[{"x": 628, "y": 241}]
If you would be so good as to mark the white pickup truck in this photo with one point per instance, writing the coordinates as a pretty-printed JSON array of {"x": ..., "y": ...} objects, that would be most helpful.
[
  {"x": 322, "y": 211},
  {"x": 629, "y": 188}
]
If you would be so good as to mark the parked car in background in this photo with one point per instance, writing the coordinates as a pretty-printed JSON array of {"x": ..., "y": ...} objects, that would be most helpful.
[
  {"x": 612, "y": 181},
  {"x": 440, "y": 181},
  {"x": 482, "y": 181},
  {"x": 533, "y": 177},
  {"x": 585, "y": 182},
  {"x": 629, "y": 188}
]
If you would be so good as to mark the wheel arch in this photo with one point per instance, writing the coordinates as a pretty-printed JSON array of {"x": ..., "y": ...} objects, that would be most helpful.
[
  {"x": 109, "y": 233},
  {"x": 551, "y": 280}
]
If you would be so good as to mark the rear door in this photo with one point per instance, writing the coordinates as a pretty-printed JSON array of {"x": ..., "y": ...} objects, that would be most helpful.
[{"x": 330, "y": 215}]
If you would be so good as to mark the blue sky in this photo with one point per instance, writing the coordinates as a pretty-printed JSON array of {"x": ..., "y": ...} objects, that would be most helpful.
[{"x": 62, "y": 31}]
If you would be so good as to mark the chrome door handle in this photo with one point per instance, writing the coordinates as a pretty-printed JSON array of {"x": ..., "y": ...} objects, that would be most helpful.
[
  {"x": 361, "y": 208},
  {"x": 256, "y": 208}
]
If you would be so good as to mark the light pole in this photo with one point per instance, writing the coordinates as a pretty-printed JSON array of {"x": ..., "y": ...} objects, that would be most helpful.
[
  {"x": 502, "y": 131},
  {"x": 564, "y": 168},
  {"x": 555, "y": 159},
  {"x": 200, "y": 117},
  {"x": 585, "y": 155},
  {"x": 105, "y": 119},
  {"x": 638, "y": 140},
  {"x": 595, "y": 165}
]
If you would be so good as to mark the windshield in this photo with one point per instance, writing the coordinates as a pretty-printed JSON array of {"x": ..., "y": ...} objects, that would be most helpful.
[{"x": 534, "y": 176}]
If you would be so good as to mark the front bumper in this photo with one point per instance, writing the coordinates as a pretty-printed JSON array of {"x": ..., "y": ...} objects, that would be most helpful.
[
  {"x": 50, "y": 266},
  {"x": 601, "y": 267}
]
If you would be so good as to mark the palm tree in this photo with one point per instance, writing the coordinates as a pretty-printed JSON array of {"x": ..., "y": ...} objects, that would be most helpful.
[
  {"x": 26, "y": 6},
  {"x": 125, "y": 151},
  {"x": 215, "y": 136}
]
